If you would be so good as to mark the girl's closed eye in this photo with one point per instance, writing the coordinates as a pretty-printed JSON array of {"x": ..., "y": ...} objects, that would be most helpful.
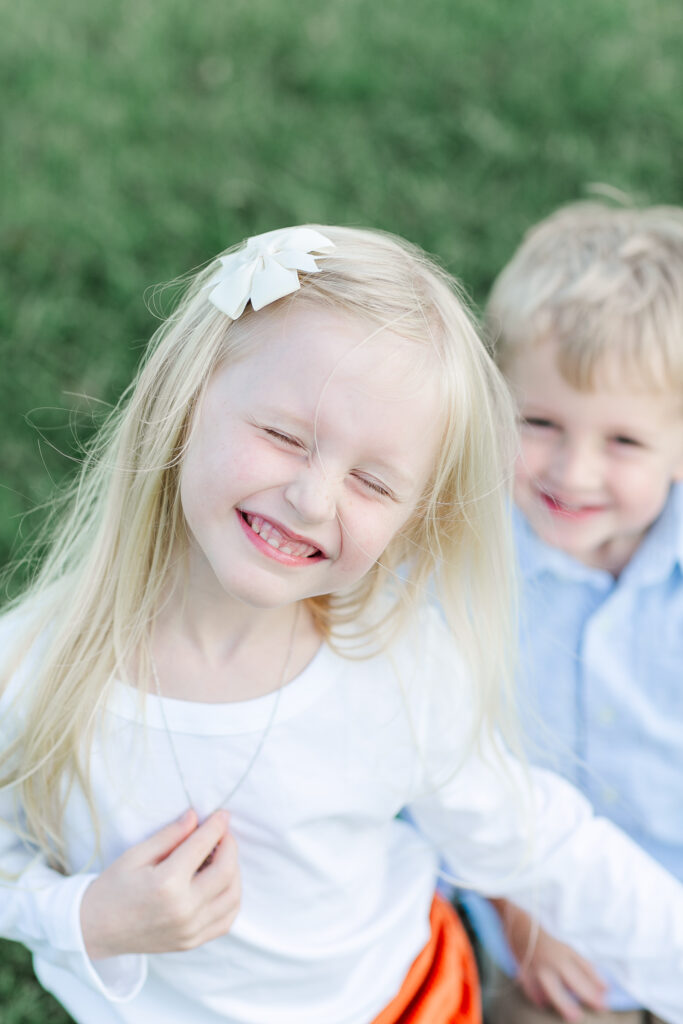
[
  {"x": 376, "y": 486},
  {"x": 285, "y": 439},
  {"x": 369, "y": 482}
]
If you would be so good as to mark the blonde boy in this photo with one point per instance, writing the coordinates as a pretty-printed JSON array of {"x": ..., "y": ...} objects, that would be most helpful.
[{"x": 587, "y": 323}]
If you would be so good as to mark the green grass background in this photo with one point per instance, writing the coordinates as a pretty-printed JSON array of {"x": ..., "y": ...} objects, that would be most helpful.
[{"x": 142, "y": 136}]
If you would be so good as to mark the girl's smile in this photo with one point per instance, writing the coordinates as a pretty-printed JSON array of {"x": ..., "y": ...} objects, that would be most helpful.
[
  {"x": 306, "y": 457},
  {"x": 277, "y": 542}
]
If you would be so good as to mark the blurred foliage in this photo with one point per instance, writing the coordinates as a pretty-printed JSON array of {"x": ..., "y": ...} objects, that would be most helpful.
[
  {"x": 22, "y": 1000},
  {"x": 143, "y": 136}
]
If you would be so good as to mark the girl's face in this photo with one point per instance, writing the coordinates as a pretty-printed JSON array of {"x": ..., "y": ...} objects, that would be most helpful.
[{"x": 307, "y": 456}]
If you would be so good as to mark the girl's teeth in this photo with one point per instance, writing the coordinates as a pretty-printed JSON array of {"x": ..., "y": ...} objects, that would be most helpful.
[
  {"x": 256, "y": 524},
  {"x": 303, "y": 550},
  {"x": 277, "y": 540}
]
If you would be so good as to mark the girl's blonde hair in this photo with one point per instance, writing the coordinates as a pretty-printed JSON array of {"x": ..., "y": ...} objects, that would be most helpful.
[
  {"x": 123, "y": 533},
  {"x": 605, "y": 284}
]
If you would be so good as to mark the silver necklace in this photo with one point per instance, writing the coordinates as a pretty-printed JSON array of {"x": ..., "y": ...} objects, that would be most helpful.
[{"x": 264, "y": 734}]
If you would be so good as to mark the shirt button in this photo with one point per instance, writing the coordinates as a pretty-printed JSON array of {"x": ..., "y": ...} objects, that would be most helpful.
[
  {"x": 609, "y": 795},
  {"x": 606, "y": 715}
]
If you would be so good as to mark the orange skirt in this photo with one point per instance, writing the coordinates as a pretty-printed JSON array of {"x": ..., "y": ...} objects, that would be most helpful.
[{"x": 442, "y": 985}]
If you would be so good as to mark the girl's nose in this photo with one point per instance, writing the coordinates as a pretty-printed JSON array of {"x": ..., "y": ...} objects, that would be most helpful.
[{"x": 311, "y": 494}]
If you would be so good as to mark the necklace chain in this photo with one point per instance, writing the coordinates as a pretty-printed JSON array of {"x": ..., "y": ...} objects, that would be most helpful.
[{"x": 264, "y": 734}]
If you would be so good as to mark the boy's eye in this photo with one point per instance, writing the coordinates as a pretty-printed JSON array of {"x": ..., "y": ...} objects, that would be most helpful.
[
  {"x": 627, "y": 442},
  {"x": 537, "y": 421}
]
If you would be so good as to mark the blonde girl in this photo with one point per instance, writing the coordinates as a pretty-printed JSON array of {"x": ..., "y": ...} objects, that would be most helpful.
[{"x": 223, "y": 685}]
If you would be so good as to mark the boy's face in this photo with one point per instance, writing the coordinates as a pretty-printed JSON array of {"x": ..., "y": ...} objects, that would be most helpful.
[{"x": 594, "y": 468}]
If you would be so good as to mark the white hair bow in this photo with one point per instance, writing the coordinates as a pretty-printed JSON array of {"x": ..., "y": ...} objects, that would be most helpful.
[{"x": 266, "y": 269}]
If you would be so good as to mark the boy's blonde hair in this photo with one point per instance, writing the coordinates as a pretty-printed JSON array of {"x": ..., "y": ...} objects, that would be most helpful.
[
  {"x": 122, "y": 535},
  {"x": 605, "y": 284}
]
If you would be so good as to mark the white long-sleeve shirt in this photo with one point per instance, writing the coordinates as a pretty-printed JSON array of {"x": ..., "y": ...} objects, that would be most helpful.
[{"x": 336, "y": 889}]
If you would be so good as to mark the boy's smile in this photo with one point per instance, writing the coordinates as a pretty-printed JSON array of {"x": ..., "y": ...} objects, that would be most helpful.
[
  {"x": 566, "y": 510},
  {"x": 595, "y": 467}
]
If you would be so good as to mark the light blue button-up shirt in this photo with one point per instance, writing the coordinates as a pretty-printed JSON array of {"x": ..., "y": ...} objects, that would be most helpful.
[{"x": 601, "y": 687}]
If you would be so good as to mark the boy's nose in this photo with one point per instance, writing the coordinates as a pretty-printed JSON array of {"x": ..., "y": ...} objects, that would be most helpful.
[
  {"x": 576, "y": 465},
  {"x": 311, "y": 494}
]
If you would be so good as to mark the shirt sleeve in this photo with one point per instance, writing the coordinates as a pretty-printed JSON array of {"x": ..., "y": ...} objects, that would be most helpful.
[
  {"x": 40, "y": 907},
  {"x": 531, "y": 837}
]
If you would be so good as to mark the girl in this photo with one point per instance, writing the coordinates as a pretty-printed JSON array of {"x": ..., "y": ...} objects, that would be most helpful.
[{"x": 219, "y": 692}]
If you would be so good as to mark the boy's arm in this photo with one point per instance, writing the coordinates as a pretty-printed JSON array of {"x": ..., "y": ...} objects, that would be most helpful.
[
  {"x": 583, "y": 878},
  {"x": 550, "y": 973},
  {"x": 532, "y": 838}
]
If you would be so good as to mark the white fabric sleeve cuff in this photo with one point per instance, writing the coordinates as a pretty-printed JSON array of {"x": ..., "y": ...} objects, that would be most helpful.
[{"x": 119, "y": 978}]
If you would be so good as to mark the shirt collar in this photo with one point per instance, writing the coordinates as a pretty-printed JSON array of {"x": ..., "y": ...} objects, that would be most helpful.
[
  {"x": 661, "y": 551},
  {"x": 659, "y": 554}
]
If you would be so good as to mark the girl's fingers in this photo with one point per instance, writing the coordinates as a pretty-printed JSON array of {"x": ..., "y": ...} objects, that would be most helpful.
[
  {"x": 190, "y": 855},
  {"x": 213, "y": 917},
  {"x": 220, "y": 873},
  {"x": 162, "y": 844},
  {"x": 223, "y": 913}
]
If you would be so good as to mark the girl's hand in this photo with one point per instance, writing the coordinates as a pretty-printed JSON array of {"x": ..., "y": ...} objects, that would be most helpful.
[
  {"x": 174, "y": 891},
  {"x": 551, "y": 974}
]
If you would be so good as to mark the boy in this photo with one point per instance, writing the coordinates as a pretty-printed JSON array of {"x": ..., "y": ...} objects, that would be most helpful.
[{"x": 587, "y": 321}]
